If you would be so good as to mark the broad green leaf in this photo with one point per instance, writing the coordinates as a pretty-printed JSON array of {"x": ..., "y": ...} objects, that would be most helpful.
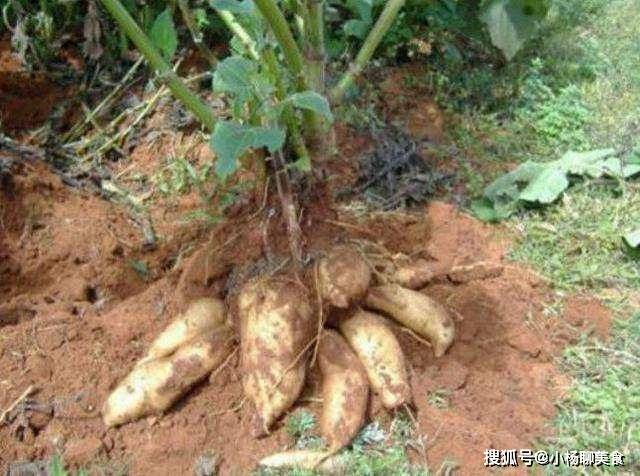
[
  {"x": 356, "y": 28},
  {"x": 231, "y": 139},
  {"x": 362, "y": 8},
  {"x": 508, "y": 186},
  {"x": 632, "y": 239},
  {"x": 163, "y": 34},
  {"x": 630, "y": 170},
  {"x": 546, "y": 187},
  {"x": 512, "y": 22},
  {"x": 583, "y": 163},
  {"x": 312, "y": 101},
  {"x": 234, "y": 75},
  {"x": 485, "y": 210},
  {"x": 234, "y": 6}
]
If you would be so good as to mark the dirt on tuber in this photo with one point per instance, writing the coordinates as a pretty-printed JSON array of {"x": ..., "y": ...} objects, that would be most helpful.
[
  {"x": 345, "y": 391},
  {"x": 416, "y": 311},
  {"x": 381, "y": 355},
  {"x": 276, "y": 326}
]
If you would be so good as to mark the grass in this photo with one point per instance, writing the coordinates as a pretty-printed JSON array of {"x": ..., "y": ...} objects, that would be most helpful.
[
  {"x": 577, "y": 243},
  {"x": 374, "y": 451},
  {"x": 603, "y": 410},
  {"x": 578, "y": 88}
]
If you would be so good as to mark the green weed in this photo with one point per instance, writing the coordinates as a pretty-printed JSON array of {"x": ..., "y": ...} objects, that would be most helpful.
[{"x": 602, "y": 411}]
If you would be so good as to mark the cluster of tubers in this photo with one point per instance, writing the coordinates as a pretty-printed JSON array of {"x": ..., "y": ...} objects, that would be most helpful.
[{"x": 278, "y": 327}]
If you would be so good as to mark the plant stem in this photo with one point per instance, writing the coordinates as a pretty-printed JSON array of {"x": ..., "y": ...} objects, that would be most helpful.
[
  {"x": 276, "y": 20},
  {"x": 237, "y": 29},
  {"x": 316, "y": 55},
  {"x": 190, "y": 22},
  {"x": 295, "y": 62},
  {"x": 382, "y": 25},
  {"x": 288, "y": 114},
  {"x": 192, "y": 102}
]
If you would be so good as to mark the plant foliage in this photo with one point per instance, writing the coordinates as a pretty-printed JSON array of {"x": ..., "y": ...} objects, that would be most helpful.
[{"x": 542, "y": 183}]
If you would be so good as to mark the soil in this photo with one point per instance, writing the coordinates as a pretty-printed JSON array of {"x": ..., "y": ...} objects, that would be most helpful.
[{"x": 75, "y": 315}]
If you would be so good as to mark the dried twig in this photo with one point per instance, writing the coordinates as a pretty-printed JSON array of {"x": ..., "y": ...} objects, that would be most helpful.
[{"x": 4, "y": 418}]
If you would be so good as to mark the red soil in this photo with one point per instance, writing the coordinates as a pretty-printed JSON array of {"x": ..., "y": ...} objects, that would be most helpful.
[{"x": 75, "y": 316}]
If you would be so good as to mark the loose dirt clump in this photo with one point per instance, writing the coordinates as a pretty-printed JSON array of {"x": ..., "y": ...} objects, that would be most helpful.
[{"x": 76, "y": 316}]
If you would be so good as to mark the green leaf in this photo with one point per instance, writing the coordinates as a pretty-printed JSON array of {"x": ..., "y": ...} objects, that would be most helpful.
[
  {"x": 234, "y": 6},
  {"x": 231, "y": 139},
  {"x": 356, "y": 28},
  {"x": 584, "y": 163},
  {"x": 163, "y": 34},
  {"x": 632, "y": 238},
  {"x": 312, "y": 101},
  {"x": 362, "y": 8},
  {"x": 484, "y": 210},
  {"x": 546, "y": 187},
  {"x": 512, "y": 22},
  {"x": 234, "y": 75},
  {"x": 56, "y": 467}
]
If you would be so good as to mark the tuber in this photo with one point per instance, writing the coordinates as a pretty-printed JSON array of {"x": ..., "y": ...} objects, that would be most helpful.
[
  {"x": 202, "y": 315},
  {"x": 345, "y": 390},
  {"x": 276, "y": 323},
  {"x": 381, "y": 355},
  {"x": 416, "y": 311},
  {"x": 153, "y": 385},
  {"x": 344, "y": 276}
]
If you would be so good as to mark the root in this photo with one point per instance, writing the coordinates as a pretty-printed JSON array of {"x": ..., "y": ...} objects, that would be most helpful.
[
  {"x": 289, "y": 212},
  {"x": 215, "y": 373},
  {"x": 320, "y": 314},
  {"x": 4, "y": 418}
]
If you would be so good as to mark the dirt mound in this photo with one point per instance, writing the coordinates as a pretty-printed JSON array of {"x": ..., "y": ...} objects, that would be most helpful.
[{"x": 75, "y": 316}]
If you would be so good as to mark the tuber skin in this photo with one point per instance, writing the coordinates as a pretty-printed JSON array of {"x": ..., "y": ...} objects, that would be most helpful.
[
  {"x": 344, "y": 276},
  {"x": 201, "y": 316},
  {"x": 154, "y": 385},
  {"x": 416, "y": 311},
  {"x": 302, "y": 459},
  {"x": 414, "y": 275},
  {"x": 345, "y": 391},
  {"x": 276, "y": 323},
  {"x": 379, "y": 351}
]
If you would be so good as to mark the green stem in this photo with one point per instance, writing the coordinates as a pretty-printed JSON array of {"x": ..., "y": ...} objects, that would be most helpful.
[
  {"x": 382, "y": 25},
  {"x": 288, "y": 114},
  {"x": 276, "y": 20},
  {"x": 237, "y": 29},
  {"x": 316, "y": 55},
  {"x": 192, "y": 102},
  {"x": 292, "y": 56},
  {"x": 190, "y": 22}
]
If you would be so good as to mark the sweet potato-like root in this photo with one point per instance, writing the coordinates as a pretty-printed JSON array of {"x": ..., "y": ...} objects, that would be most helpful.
[
  {"x": 345, "y": 390},
  {"x": 415, "y": 274},
  {"x": 152, "y": 386},
  {"x": 302, "y": 459},
  {"x": 201, "y": 316},
  {"x": 380, "y": 354},
  {"x": 416, "y": 311},
  {"x": 276, "y": 323},
  {"x": 344, "y": 276}
]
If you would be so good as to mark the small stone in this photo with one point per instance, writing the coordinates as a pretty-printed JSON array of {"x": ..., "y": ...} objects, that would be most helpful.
[
  {"x": 80, "y": 452},
  {"x": 39, "y": 420},
  {"x": 108, "y": 443},
  {"x": 206, "y": 465}
]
